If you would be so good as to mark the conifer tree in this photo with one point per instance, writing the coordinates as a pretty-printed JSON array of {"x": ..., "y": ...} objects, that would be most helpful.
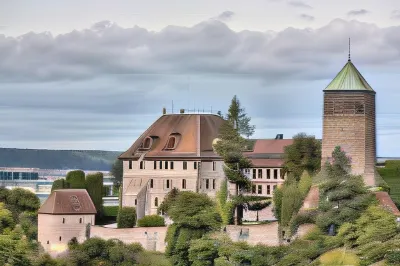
[{"x": 239, "y": 119}]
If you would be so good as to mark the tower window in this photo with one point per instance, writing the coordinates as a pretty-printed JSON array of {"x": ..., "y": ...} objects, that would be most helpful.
[
  {"x": 160, "y": 164},
  {"x": 184, "y": 165},
  {"x": 207, "y": 183},
  {"x": 135, "y": 202},
  {"x": 214, "y": 164},
  {"x": 195, "y": 165},
  {"x": 166, "y": 164},
  {"x": 130, "y": 164},
  {"x": 141, "y": 164},
  {"x": 359, "y": 108},
  {"x": 59, "y": 238},
  {"x": 156, "y": 202},
  {"x": 63, "y": 220},
  {"x": 151, "y": 183},
  {"x": 155, "y": 165},
  {"x": 80, "y": 220},
  {"x": 172, "y": 165},
  {"x": 168, "y": 183},
  {"x": 184, "y": 183}
]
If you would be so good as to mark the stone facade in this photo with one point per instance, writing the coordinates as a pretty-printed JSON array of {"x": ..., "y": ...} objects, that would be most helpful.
[{"x": 349, "y": 122}]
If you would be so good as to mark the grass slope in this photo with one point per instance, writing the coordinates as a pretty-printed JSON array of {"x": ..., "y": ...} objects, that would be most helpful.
[
  {"x": 58, "y": 159},
  {"x": 391, "y": 174}
]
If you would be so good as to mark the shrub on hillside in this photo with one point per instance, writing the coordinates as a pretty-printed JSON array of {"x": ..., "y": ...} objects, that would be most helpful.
[
  {"x": 126, "y": 217},
  {"x": 151, "y": 221},
  {"x": 111, "y": 211},
  {"x": 76, "y": 179}
]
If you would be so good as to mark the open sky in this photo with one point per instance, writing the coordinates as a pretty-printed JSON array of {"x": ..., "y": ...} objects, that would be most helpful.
[{"x": 95, "y": 74}]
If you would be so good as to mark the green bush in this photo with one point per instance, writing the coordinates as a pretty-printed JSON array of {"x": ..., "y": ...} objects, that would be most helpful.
[
  {"x": 339, "y": 257},
  {"x": 393, "y": 256},
  {"x": 94, "y": 186},
  {"x": 126, "y": 217},
  {"x": 111, "y": 211},
  {"x": 151, "y": 221},
  {"x": 59, "y": 184},
  {"x": 76, "y": 179}
]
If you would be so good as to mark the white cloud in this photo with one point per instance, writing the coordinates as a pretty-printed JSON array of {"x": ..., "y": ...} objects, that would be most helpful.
[
  {"x": 358, "y": 12},
  {"x": 225, "y": 16},
  {"x": 307, "y": 17},
  {"x": 300, "y": 4}
]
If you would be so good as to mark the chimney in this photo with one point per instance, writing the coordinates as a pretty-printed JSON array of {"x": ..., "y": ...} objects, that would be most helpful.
[
  {"x": 164, "y": 111},
  {"x": 279, "y": 136},
  {"x": 182, "y": 111}
]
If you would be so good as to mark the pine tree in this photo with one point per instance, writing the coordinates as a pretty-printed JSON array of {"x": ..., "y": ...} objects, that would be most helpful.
[{"x": 239, "y": 119}]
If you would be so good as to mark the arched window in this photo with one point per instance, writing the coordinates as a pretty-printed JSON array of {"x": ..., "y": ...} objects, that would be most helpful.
[
  {"x": 156, "y": 202},
  {"x": 184, "y": 183},
  {"x": 146, "y": 144},
  {"x": 151, "y": 183},
  {"x": 171, "y": 143}
]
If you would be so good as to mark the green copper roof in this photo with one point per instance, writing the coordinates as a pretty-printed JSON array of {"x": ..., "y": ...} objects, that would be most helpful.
[{"x": 349, "y": 79}]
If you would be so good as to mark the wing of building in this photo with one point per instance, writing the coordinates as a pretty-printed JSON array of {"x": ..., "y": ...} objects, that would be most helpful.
[{"x": 177, "y": 151}]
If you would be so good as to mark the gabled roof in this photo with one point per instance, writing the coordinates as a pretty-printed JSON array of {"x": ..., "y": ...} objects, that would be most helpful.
[
  {"x": 68, "y": 201},
  {"x": 349, "y": 79}
]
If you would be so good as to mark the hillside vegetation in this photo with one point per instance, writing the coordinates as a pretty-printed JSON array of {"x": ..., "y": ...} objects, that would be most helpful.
[
  {"x": 58, "y": 159},
  {"x": 391, "y": 174}
]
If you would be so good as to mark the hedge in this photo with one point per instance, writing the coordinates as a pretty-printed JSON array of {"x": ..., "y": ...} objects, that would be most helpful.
[
  {"x": 126, "y": 217},
  {"x": 151, "y": 221},
  {"x": 94, "y": 186},
  {"x": 76, "y": 179},
  {"x": 111, "y": 210}
]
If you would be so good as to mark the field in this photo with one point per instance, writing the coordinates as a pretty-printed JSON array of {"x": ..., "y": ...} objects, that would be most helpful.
[{"x": 391, "y": 174}]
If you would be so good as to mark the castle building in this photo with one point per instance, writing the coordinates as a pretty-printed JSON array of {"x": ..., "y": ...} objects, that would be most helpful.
[
  {"x": 176, "y": 151},
  {"x": 349, "y": 121},
  {"x": 67, "y": 213}
]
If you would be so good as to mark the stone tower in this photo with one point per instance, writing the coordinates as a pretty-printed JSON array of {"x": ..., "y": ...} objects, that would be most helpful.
[{"x": 349, "y": 121}]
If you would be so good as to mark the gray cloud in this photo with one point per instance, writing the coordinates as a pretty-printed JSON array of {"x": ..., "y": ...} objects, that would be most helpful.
[
  {"x": 102, "y": 86},
  {"x": 225, "y": 16},
  {"x": 307, "y": 17},
  {"x": 358, "y": 12},
  {"x": 300, "y": 4},
  {"x": 395, "y": 14}
]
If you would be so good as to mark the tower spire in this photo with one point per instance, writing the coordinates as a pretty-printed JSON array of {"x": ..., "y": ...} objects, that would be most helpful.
[{"x": 349, "y": 51}]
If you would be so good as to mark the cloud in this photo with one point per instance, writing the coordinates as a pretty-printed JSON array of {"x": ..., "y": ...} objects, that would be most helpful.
[
  {"x": 358, "y": 12},
  {"x": 102, "y": 86},
  {"x": 395, "y": 14},
  {"x": 225, "y": 16},
  {"x": 300, "y": 4},
  {"x": 307, "y": 17}
]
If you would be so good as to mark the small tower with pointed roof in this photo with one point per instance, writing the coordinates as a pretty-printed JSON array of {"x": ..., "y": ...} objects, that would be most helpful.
[{"x": 349, "y": 121}]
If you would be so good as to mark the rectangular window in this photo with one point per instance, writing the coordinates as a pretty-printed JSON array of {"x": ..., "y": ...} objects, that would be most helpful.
[
  {"x": 130, "y": 164},
  {"x": 253, "y": 189},
  {"x": 213, "y": 183},
  {"x": 184, "y": 165},
  {"x": 275, "y": 173},
  {"x": 172, "y": 165},
  {"x": 268, "y": 173},
  {"x": 155, "y": 165},
  {"x": 254, "y": 173},
  {"x": 160, "y": 164},
  {"x": 259, "y": 189},
  {"x": 168, "y": 184},
  {"x": 184, "y": 183},
  {"x": 268, "y": 189},
  {"x": 207, "y": 183},
  {"x": 214, "y": 166},
  {"x": 259, "y": 173},
  {"x": 166, "y": 164},
  {"x": 141, "y": 164},
  {"x": 195, "y": 165}
]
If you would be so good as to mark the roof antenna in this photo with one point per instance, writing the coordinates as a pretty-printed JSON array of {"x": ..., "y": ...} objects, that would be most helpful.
[{"x": 349, "y": 51}]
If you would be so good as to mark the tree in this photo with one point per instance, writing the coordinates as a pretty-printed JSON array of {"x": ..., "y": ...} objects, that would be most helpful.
[
  {"x": 239, "y": 119},
  {"x": 303, "y": 154},
  {"x": 194, "y": 215},
  {"x": 59, "y": 184},
  {"x": 117, "y": 172},
  {"x": 343, "y": 196},
  {"x": 94, "y": 186},
  {"x": 76, "y": 179}
]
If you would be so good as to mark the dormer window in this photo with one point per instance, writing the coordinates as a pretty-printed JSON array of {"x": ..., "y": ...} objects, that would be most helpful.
[
  {"x": 172, "y": 142},
  {"x": 146, "y": 144}
]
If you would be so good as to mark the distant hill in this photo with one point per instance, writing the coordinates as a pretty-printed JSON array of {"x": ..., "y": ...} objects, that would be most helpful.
[{"x": 58, "y": 159}]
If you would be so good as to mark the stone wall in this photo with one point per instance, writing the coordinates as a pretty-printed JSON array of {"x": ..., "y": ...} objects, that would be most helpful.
[{"x": 266, "y": 234}]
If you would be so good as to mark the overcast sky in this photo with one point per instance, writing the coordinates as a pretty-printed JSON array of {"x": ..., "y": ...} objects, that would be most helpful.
[{"x": 96, "y": 74}]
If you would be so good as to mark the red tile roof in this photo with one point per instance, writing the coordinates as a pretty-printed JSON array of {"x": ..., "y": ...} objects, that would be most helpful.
[
  {"x": 274, "y": 146},
  {"x": 68, "y": 201},
  {"x": 267, "y": 162}
]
